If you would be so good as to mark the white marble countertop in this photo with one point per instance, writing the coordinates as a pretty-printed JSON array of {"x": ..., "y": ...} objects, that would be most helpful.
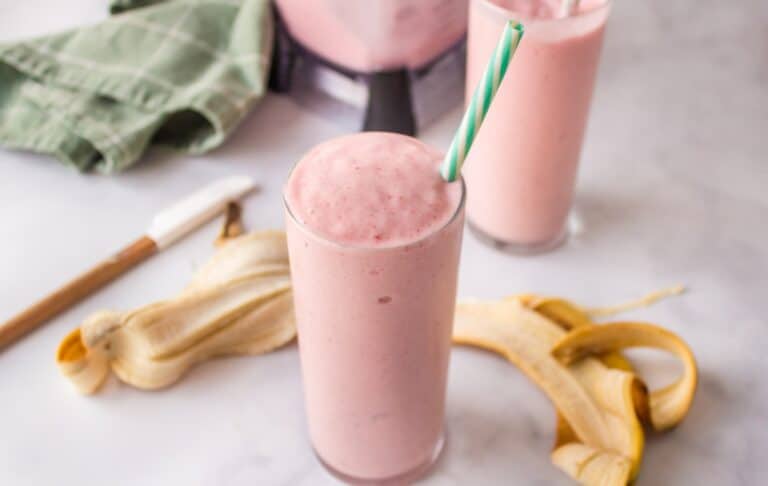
[{"x": 674, "y": 188}]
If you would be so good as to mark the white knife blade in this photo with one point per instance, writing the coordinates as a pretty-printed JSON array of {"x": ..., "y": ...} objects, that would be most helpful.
[{"x": 177, "y": 220}]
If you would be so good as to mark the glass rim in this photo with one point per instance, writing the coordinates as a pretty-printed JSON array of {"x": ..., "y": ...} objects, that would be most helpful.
[
  {"x": 492, "y": 7},
  {"x": 309, "y": 231}
]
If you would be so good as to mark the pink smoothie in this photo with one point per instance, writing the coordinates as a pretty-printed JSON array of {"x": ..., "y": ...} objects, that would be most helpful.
[
  {"x": 522, "y": 167},
  {"x": 374, "y": 35},
  {"x": 374, "y": 236}
]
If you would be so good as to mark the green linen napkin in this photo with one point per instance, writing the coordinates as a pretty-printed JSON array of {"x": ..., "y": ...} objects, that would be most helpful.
[{"x": 174, "y": 72}]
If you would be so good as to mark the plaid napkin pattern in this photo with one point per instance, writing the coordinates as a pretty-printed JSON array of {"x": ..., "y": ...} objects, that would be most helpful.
[{"x": 175, "y": 72}]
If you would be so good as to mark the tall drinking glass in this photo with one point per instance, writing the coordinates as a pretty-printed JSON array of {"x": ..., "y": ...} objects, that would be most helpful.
[
  {"x": 522, "y": 167},
  {"x": 374, "y": 236}
]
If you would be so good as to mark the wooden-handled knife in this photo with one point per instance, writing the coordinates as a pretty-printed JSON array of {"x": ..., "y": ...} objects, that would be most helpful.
[{"x": 167, "y": 226}]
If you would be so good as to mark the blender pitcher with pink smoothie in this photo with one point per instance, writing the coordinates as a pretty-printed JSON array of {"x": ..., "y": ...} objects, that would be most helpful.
[
  {"x": 376, "y": 35},
  {"x": 522, "y": 167},
  {"x": 374, "y": 236},
  {"x": 388, "y": 65}
]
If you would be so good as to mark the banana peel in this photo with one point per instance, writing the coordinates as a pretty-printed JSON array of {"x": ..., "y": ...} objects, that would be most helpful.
[
  {"x": 668, "y": 405},
  {"x": 592, "y": 466},
  {"x": 602, "y": 404},
  {"x": 594, "y": 400},
  {"x": 239, "y": 302}
]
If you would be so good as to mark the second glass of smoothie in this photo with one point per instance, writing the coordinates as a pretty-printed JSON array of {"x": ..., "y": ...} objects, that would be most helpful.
[
  {"x": 374, "y": 236},
  {"x": 522, "y": 167}
]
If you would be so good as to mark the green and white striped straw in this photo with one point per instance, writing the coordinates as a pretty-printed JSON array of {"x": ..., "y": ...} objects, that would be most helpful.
[
  {"x": 568, "y": 8},
  {"x": 481, "y": 101}
]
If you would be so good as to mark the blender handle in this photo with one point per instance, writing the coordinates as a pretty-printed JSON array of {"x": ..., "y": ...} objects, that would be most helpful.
[
  {"x": 390, "y": 106},
  {"x": 283, "y": 57}
]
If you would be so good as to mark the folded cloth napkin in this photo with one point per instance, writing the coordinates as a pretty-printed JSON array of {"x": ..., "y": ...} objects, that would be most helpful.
[{"x": 174, "y": 72}]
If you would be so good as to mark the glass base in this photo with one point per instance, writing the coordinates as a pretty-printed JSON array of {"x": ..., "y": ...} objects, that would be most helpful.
[
  {"x": 521, "y": 249},
  {"x": 400, "y": 479}
]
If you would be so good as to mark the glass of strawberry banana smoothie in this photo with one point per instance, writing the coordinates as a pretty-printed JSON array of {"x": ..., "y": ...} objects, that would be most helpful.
[
  {"x": 374, "y": 236},
  {"x": 522, "y": 167}
]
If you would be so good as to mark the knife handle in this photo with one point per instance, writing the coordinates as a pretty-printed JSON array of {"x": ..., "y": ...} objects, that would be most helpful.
[{"x": 76, "y": 290}]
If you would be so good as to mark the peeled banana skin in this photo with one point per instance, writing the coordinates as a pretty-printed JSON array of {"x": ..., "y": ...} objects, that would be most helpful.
[
  {"x": 240, "y": 302},
  {"x": 602, "y": 403}
]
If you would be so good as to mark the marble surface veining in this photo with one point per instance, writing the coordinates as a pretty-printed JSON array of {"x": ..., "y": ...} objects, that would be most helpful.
[{"x": 674, "y": 188}]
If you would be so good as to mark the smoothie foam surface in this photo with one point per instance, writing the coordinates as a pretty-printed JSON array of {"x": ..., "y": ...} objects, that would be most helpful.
[{"x": 372, "y": 189}]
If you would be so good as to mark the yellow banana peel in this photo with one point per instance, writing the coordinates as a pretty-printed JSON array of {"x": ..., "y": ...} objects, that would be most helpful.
[
  {"x": 238, "y": 303},
  {"x": 667, "y": 406},
  {"x": 601, "y": 402}
]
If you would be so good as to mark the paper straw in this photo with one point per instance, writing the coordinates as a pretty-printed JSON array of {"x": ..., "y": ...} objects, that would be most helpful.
[
  {"x": 481, "y": 101},
  {"x": 568, "y": 8}
]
